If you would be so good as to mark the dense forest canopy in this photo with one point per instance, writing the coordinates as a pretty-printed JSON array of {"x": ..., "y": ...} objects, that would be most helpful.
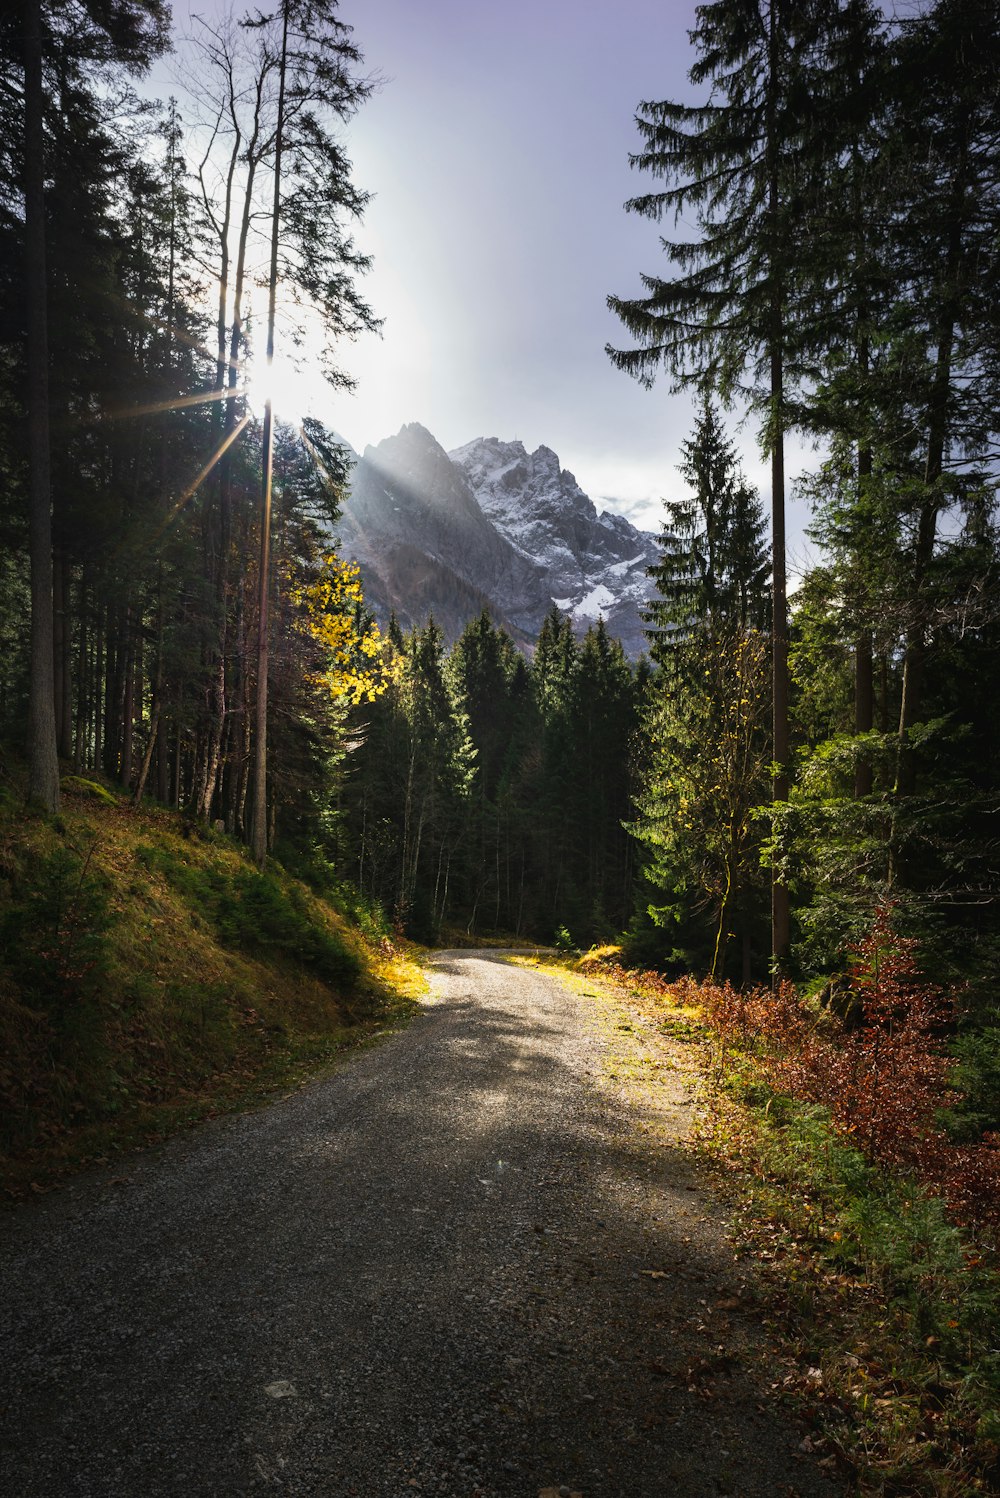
[
  {"x": 777, "y": 768},
  {"x": 842, "y": 175}
]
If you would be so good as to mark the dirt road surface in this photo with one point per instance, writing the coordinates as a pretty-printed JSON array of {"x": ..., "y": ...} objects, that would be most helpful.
[{"x": 469, "y": 1262}]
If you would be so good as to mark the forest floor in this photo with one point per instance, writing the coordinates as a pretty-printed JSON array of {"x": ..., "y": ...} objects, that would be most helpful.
[{"x": 480, "y": 1259}]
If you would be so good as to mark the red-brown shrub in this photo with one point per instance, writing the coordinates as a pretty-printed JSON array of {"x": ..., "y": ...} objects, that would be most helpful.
[
  {"x": 884, "y": 1078},
  {"x": 883, "y": 1074}
]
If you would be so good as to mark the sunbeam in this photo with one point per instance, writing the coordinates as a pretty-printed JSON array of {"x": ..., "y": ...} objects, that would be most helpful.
[
  {"x": 226, "y": 443},
  {"x": 176, "y": 404}
]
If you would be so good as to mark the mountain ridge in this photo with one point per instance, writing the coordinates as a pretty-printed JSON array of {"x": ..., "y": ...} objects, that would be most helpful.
[{"x": 490, "y": 525}]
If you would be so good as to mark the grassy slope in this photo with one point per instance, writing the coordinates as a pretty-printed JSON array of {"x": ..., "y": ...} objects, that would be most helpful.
[{"x": 148, "y": 979}]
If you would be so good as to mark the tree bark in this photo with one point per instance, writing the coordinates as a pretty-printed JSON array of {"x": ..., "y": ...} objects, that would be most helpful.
[
  {"x": 937, "y": 437},
  {"x": 260, "y": 822},
  {"x": 162, "y": 761},
  {"x": 43, "y": 759},
  {"x": 780, "y": 903},
  {"x": 98, "y": 687},
  {"x": 83, "y": 678},
  {"x": 864, "y": 707},
  {"x": 128, "y": 702},
  {"x": 864, "y": 646}
]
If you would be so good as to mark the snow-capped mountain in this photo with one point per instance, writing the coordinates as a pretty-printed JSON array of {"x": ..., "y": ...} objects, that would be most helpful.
[
  {"x": 425, "y": 547},
  {"x": 489, "y": 526},
  {"x": 594, "y": 564}
]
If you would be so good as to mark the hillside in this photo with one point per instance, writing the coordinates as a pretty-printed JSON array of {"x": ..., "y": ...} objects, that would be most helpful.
[{"x": 149, "y": 975}]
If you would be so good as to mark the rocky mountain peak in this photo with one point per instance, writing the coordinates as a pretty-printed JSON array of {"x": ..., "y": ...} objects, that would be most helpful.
[{"x": 490, "y": 525}]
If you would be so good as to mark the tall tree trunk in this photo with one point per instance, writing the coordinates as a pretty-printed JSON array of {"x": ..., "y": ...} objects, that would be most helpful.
[
  {"x": 58, "y": 648},
  {"x": 259, "y": 830},
  {"x": 178, "y": 790},
  {"x": 65, "y": 722},
  {"x": 97, "y": 696},
  {"x": 128, "y": 702},
  {"x": 43, "y": 759},
  {"x": 217, "y": 696},
  {"x": 864, "y": 686},
  {"x": 215, "y": 726},
  {"x": 162, "y": 761},
  {"x": 864, "y": 675},
  {"x": 937, "y": 437},
  {"x": 147, "y": 758},
  {"x": 83, "y": 677},
  {"x": 156, "y": 699},
  {"x": 214, "y": 525},
  {"x": 864, "y": 707},
  {"x": 112, "y": 685},
  {"x": 780, "y": 903}
]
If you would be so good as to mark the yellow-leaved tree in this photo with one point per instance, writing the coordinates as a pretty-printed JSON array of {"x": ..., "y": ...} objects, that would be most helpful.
[{"x": 350, "y": 643}]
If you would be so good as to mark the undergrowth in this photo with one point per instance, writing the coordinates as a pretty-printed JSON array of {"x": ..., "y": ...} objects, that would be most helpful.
[
  {"x": 149, "y": 978},
  {"x": 250, "y": 911}
]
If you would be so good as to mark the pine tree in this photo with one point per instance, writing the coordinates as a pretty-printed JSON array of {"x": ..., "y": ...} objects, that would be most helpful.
[
  {"x": 483, "y": 669},
  {"x": 602, "y": 725},
  {"x": 704, "y": 770},
  {"x": 748, "y": 161},
  {"x": 706, "y": 776},
  {"x": 714, "y": 556},
  {"x": 947, "y": 260}
]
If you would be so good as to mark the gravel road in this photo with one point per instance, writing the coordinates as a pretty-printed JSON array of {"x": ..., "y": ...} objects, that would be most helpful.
[{"x": 459, "y": 1265}]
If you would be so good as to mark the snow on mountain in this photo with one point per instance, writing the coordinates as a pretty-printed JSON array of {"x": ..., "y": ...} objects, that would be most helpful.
[
  {"x": 425, "y": 547},
  {"x": 594, "y": 564},
  {"x": 490, "y": 526}
]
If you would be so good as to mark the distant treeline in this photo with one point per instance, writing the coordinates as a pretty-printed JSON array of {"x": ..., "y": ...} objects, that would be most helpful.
[{"x": 493, "y": 792}]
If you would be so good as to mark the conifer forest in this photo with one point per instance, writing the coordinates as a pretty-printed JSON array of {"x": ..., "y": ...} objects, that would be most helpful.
[
  {"x": 244, "y": 810},
  {"x": 176, "y": 623}
]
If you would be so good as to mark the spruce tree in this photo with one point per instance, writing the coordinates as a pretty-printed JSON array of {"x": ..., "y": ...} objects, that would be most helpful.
[
  {"x": 730, "y": 317},
  {"x": 602, "y": 724},
  {"x": 703, "y": 773},
  {"x": 947, "y": 260},
  {"x": 713, "y": 551}
]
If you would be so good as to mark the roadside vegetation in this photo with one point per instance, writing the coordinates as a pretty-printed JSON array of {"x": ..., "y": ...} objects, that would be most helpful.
[
  {"x": 858, "y": 1153},
  {"x": 152, "y": 976}
]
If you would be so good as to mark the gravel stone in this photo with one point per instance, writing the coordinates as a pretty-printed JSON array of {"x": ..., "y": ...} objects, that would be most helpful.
[{"x": 429, "y": 1272}]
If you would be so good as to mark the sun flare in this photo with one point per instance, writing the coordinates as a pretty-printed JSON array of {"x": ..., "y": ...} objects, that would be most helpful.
[{"x": 290, "y": 389}]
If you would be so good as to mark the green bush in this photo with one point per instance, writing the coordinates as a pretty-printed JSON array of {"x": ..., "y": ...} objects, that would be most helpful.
[{"x": 563, "y": 941}]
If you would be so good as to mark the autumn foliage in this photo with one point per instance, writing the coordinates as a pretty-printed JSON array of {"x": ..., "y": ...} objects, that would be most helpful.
[
  {"x": 350, "y": 642},
  {"x": 875, "y": 1057}
]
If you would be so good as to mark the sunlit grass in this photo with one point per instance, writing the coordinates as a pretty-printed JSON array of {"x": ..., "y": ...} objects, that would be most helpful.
[{"x": 165, "y": 1014}]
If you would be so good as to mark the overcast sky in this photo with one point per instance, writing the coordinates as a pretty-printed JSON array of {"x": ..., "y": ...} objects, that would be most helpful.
[{"x": 497, "y": 149}]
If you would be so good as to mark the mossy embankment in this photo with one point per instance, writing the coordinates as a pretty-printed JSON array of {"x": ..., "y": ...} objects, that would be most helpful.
[{"x": 151, "y": 976}]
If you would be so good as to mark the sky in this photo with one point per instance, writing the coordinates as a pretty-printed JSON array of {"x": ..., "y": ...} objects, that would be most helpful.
[{"x": 496, "y": 147}]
